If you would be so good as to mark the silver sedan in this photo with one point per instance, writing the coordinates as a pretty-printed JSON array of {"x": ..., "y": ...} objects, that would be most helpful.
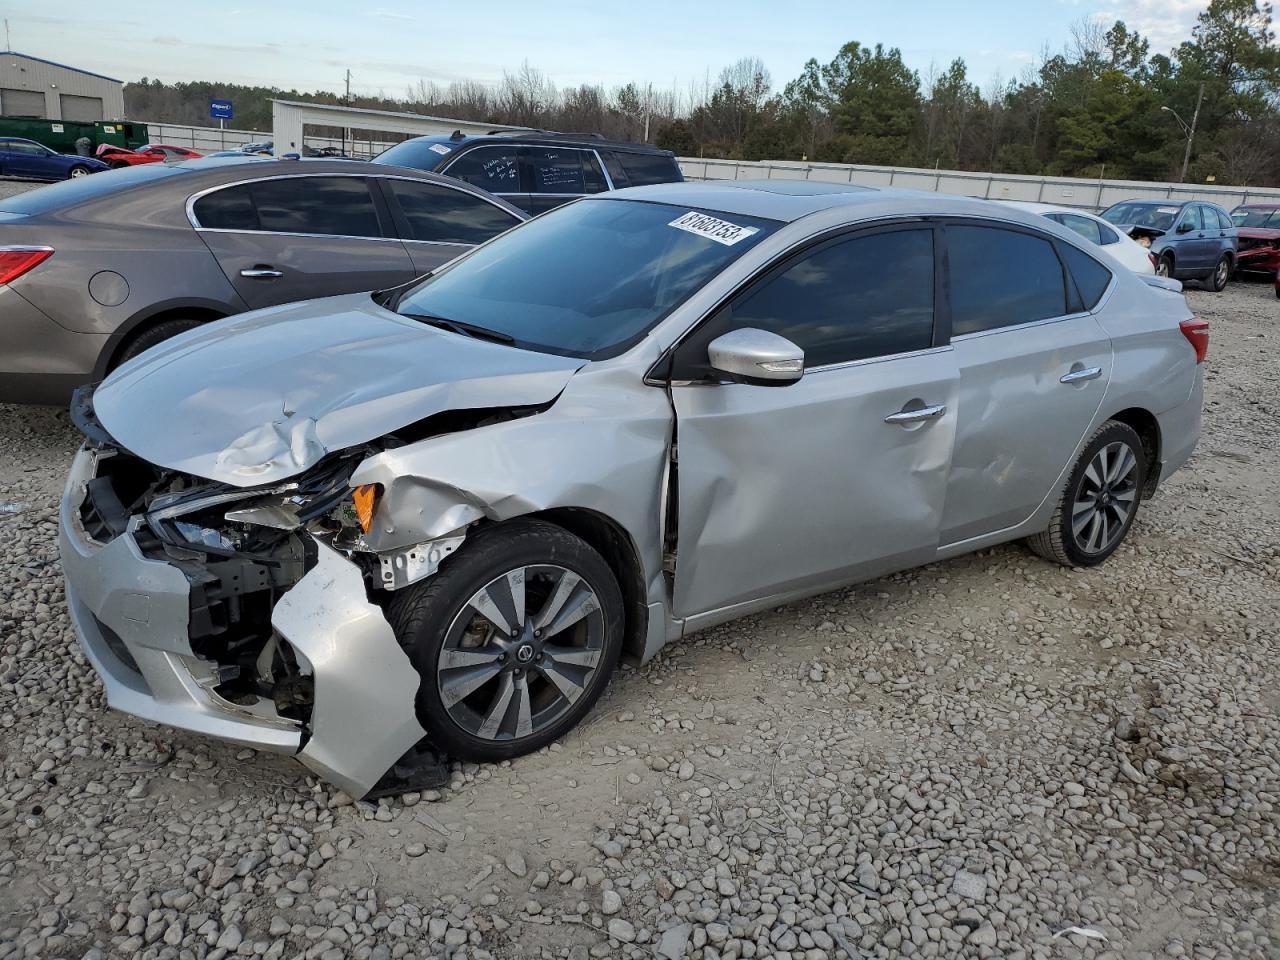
[{"x": 438, "y": 515}]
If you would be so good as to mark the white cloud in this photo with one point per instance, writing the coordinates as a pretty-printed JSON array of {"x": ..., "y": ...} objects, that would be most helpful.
[{"x": 1165, "y": 23}]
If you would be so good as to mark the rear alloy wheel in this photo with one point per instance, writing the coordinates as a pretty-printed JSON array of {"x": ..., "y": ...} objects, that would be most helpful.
[
  {"x": 1221, "y": 274},
  {"x": 1164, "y": 266},
  {"x": 79, "y": 170},
  {"x": 1100, "y": 499},
  {"x": 514, "y": 639}
]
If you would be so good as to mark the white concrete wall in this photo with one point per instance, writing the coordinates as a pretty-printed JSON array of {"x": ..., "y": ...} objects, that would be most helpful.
[{"x": 1064, "y": 191}]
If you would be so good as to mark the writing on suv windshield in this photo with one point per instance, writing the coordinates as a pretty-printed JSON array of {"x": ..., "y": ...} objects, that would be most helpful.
[{"x": 586, "y": 280}]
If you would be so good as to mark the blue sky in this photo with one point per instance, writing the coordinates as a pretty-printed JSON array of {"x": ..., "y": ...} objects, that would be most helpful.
[{"x": 391, "y": 44}]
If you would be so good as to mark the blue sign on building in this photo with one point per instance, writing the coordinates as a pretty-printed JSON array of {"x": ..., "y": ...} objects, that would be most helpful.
[{"x": 221, "y": 110}]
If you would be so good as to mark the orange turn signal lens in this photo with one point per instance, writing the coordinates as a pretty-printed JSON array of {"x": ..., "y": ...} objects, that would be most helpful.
[{"x": 366, "y": 497}]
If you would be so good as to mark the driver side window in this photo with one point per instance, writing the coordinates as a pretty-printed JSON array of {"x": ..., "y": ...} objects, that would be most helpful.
[{"x": 848, "y": 299}]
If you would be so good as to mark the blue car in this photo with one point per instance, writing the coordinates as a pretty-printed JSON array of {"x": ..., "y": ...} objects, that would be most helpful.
[
  {"x": 34, "y": 161},
  {"x": 1190, "y": 240}
]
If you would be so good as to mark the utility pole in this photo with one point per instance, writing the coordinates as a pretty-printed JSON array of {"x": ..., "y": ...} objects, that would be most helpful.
[
  {"x": 1188, "y": 131},
  {"x": 347, "y": 101},
  {"x": 648, "y": 102},
  {"x": 7, "y": 44}
]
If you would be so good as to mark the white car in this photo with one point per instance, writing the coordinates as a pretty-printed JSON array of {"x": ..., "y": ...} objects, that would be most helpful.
[{"x": 1128, "y": 251}]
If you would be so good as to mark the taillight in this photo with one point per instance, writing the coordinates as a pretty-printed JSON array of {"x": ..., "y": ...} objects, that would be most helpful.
[
  {"x": 1197, "y": 333},
  {"x": 15, "y": 261},
  {"x": 1155, "y": 264}
]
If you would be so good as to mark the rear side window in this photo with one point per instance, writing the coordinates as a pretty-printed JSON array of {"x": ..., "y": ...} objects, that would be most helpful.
[
  {"x": 495, "y": 169},
  {"x": 1082, "y": 225},
  {"x": 643, "y": 168},
  {"x": 1000, "y": 278},
  {"x": 334, "y": 206},
  {"x": 1091, "y": 277},
  {"x": 1224, "y": 222},
  {"x": 442, "y": 215},
  {"x": 556, "y": 170},
  {"x": 869, "y": 296},
  {"x": 614, "y": 168}
]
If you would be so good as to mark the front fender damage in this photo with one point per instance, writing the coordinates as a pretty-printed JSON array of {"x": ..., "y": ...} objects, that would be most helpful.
[{"x": 363, "y": 719}]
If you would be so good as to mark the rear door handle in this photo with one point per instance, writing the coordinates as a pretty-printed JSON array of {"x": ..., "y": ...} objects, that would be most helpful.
[
  {"x": 1079, "y": 376},
  {"x": 261, "y": 273},
  {"x": 916, "y": 416}
]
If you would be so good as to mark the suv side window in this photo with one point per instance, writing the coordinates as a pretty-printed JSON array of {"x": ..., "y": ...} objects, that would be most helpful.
[
  {"x": 851, "y": 299},
  {"x": 591, "y": 173},
  {"x": 494, "y": 168},
  {"x": 1192, "y": 217},
  {"x": 644, "y": 168},
  {"x": 616, "y": 173},
  {"x": 444, "y": 215},
  {"x": 557, "y": 170},
  {"x": 1224, "y": 222},
  {"x": 332, "y": 206},
  {"x": 1001, "y": 278}
]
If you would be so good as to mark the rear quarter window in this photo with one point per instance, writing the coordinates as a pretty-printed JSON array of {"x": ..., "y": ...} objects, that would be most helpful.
[
  {"x": 645, "y": 168},
  {"x": 1091, "y": 278}
]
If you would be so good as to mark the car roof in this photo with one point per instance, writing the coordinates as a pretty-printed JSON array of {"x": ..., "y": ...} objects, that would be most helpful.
[
  {"x": 544, "y": 138},
  {"x": 789, "y": 200}
]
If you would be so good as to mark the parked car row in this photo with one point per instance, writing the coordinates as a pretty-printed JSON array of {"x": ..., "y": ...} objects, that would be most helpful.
[
  {"x": 115, "y": 157},
  {"x": 29, "y": 160}
]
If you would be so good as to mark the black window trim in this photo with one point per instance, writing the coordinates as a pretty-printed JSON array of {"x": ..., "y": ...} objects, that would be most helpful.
[
  {"x": 401, "y": 221},
  {"x": 659, "y": 374},
  {"x": 1068, "y": 280},
  {"x": 382, "y": 209}
]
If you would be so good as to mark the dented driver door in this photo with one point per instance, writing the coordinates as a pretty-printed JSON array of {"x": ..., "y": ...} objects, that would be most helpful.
[{"x": 839, "y": 476}]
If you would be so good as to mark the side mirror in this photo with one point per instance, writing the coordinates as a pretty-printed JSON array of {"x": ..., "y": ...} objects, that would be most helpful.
[
  {"x": 758, "y": 357},
  {"x": 1185, "y": 227}
]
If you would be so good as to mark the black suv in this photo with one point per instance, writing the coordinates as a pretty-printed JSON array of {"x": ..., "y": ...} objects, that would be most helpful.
[{"x": 537, "y": 170}]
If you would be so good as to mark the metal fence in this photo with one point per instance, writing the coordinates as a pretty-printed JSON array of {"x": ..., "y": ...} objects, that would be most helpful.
[
  {"x": 209, "y": 139},
  {"x": 1063, "y": 191}
]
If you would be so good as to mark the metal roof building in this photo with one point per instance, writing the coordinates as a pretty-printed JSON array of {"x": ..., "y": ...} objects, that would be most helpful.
[{"x": 34, "y": 87}]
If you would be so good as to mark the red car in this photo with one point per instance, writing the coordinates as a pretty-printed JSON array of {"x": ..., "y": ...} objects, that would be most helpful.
[
  {"x": 150, "y": 153},
  {"x": 1259, "y": 227}
]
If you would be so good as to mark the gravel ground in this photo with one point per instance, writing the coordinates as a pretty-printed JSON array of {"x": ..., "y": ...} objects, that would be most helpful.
[{"x": 989, "y": 757}]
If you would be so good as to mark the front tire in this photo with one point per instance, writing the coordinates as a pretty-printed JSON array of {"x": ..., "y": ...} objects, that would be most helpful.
[
  {"x": 1221, "y": 274},
  {"x": 1164, "y": 266},
  {"x": 514, "y": 639},
  {"x": 1100, "y": 499}
]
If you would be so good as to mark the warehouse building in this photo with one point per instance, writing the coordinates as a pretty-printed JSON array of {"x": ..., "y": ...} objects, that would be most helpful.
[{"x": 34, "y": 87}]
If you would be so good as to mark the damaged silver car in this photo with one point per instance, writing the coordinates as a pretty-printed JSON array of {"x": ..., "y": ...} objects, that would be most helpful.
[{"x": 435, "y": 518}]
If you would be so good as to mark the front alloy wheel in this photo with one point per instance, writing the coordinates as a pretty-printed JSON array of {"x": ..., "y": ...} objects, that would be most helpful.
[
  {"x": 514, "y": 639},
  {"x": 521, "y": 652}
]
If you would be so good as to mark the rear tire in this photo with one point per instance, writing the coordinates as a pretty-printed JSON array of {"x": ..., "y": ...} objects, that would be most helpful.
[
  {"x": 496, "y": 685},
  {"x": 151, "y": 336},
  {"x": 1100, "y": 500},
  {"x": 79, "y": 170},
  {"x": 1217, "y": 281}
]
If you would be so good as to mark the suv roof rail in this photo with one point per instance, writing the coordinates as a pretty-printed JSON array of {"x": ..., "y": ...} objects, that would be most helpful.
[{"x": 546, "y": 134}]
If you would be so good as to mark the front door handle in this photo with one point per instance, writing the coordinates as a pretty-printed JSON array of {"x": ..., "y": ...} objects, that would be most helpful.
[
  {"x": 919, "y": 415},
  {"x": 1079, "y": 376},
  {"x": 261, "y": 273}
]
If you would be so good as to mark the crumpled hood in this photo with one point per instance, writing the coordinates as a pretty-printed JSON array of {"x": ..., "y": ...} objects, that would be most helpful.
[{"x": 258, "y": 398}]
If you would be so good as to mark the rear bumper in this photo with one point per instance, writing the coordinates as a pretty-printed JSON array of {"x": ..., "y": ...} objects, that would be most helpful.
[
  {"x": 1180, "y": 429},
  {"x": 131, "y": 615},
  {"x": 41, "y": 361}
]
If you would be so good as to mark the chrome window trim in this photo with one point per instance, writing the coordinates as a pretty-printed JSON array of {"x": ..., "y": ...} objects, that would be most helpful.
[
  {"x": 195, "y": 223},
  {"x": 960, "y": 338},
  {"x": 608, "y": 180},
  {"x": 904, "y": 355}
]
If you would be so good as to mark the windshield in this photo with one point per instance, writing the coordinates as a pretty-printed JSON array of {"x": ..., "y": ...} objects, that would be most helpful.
[
  {"x": 421, "y": 153},
  {"x": 587, "y": 279},
  {"x": 1256, "y": 217},
  {"x": 1154, "y": 215}
]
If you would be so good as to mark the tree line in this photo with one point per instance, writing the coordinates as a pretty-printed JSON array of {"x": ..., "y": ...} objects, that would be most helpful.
[{"x": 1105, "y": 105}]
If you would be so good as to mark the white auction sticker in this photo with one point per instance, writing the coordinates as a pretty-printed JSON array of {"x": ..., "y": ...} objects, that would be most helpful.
[
  {"x": 439, "y": 148},
  {"x": 721, "y": 231}
]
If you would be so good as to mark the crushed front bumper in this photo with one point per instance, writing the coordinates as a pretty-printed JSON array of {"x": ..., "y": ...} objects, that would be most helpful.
[{"x": 131, "y": 614}]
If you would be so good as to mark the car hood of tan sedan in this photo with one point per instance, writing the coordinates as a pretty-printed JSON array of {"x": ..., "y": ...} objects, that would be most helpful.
[{"x": 259, "y": 398}]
